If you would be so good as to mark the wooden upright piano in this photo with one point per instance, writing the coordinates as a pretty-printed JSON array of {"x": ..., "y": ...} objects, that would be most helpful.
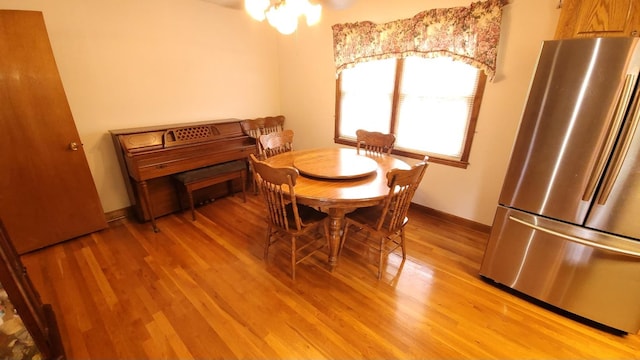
[{"x": 148, "y": 157}]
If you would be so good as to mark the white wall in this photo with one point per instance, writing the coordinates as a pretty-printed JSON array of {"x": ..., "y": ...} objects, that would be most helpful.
[
  {"x": 308, "y": 96},
  {"x": 146, "y": 62},
  {"x": 135, "y": 63}
]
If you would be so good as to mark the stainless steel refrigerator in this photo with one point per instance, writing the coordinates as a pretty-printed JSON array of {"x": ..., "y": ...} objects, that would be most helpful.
[{"x": 567, "y": 227}]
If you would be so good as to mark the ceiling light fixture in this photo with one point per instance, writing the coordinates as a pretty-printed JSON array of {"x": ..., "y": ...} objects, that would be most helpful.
[{"x": 284, "y": 14}]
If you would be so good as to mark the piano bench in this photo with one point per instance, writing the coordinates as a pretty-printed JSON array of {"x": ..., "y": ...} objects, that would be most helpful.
[{"x": 193, "y": 180}]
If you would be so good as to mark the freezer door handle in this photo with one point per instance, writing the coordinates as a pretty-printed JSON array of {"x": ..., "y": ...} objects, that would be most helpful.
[
  {"x": 576, "y": 239},
  {"x": 621, "y": 151},
  {"x": 621, "y": 109}
]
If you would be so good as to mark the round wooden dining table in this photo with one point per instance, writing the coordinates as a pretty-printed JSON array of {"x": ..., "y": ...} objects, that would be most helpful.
[{"x": 338, "y": 181}]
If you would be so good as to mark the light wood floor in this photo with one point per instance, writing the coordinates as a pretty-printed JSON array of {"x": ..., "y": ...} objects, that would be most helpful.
[{"x": 202, "y": 290}]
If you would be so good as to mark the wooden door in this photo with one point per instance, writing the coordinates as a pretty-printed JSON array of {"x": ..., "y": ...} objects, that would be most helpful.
[{"x": 47, "y": 194}]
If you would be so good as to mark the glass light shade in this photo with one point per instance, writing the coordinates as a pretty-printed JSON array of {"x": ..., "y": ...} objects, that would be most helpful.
[
  {"x": 283, "y": 17},
  {"x": 313, "y": 13},
  {"x": 284, "y": 14},
  {"x": 256, "y": 8}
]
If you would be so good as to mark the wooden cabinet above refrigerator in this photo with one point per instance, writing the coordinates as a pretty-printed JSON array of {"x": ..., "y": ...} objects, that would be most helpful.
[{"x": 598, "y": 18}]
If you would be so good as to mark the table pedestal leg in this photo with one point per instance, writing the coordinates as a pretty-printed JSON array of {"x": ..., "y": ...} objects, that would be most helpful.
[{"x": 336, "y": 221}]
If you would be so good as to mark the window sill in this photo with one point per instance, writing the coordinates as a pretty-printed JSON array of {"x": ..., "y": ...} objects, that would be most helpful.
[{"x": 412, "y": 155}]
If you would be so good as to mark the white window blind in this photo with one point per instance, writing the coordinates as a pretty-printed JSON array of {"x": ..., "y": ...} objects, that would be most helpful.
[
  {"x": 366, "y": 97},
  {"x": 436, "y": 99},
  {"x": 433, "y": 113}
]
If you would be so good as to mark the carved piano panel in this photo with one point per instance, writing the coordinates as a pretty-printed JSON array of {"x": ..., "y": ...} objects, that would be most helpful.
[{"x": 149, "y": 155}]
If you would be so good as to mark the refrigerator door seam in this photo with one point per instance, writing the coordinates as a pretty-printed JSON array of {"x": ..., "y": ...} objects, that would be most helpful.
[
  {"x": 576, "y": 239},
  {"x": 621, "y": 153},
  {"x": 621, "y": 108}
]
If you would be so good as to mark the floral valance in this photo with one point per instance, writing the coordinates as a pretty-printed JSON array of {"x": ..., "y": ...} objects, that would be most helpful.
[{"x": 469, "y": 34}]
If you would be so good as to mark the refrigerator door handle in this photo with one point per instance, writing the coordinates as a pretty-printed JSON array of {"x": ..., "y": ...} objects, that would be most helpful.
[
  {"x": 621, "y": 152},
  {"x": 576, "y": 239},
  {"x": 621, "y": 109}
]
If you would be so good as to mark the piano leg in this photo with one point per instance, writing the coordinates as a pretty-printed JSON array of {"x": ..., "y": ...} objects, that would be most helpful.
[{"x": 147, "y": 200}]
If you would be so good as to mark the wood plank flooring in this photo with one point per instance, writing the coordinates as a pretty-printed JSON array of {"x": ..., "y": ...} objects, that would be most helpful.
[{"x": 201, "y": 290}]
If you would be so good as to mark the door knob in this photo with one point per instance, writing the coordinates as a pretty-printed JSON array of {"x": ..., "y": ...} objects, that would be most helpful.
[{"x": 73, "y": 146}]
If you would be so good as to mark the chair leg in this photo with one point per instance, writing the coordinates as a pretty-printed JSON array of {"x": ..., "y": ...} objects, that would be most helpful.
[
  {"x": 344, "y": 238},
  {"x": 326, "y": 235},
  {"x": 381, "y": 256},
  {"x": 254, "y": 184},
  {"x": 293, "y": 257},
  {"x": 267, "y": 243},
  {"x": 252, "y": 176},
  {"x": 402, "y": 242}
]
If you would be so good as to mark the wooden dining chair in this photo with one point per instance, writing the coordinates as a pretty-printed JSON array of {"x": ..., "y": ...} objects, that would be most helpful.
[
  {"x": 374, "y": 142},
  {"x": 276, "y": 142},
  {"x": 272, "y": 124},
  {"x": 305, "y": 228},
  {"x": 382, "y": 227},
  {"x": 260, "y": 126}
]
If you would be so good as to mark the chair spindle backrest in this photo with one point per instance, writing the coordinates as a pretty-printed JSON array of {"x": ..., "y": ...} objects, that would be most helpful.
[
  {"x": 277, "y": 186},
  {"x": 260, "y": 126},
  {"x": 402, "y": 186},
  {"x": 272, "y": 124},
  {"x": 374, "y": 142},
  {"x": 276, "y": 142}
]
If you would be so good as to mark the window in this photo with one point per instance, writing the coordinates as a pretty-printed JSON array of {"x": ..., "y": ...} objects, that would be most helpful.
[{"x": 430, "y": 104}]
